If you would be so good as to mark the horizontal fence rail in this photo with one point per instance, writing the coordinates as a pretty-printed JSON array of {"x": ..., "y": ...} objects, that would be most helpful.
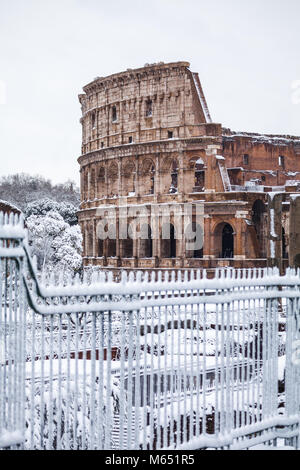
[{"x": 150, "y": 362}]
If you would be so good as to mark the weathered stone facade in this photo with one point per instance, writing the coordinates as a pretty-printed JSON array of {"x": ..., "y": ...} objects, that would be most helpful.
[{"x": 149, "y": 142}]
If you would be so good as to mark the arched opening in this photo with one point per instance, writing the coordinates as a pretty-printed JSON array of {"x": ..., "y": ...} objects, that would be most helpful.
[
  {"x": 297, "y": 261},
  {"x": 127, "y": 248},
  {"x": 168, "y": 247},
  {"x": 101, "y": 182},
  {"x": 199, "y": 181},
  {"x": 284, "y": 253},
  {"x": 174, "y": 177},
  {"x": 146, "y": 242},
  {"x": 149, "y": 108},
  {"x": 194, "y": 240},
  {"x": 111, "y": 247},
  {"x": 90, "y": 244},
  {"x": 258, "y": 220},
  {"x": 129, "y": 179},
  {"x": 92, "y": 184},
  {"x": 100, "y": 248},
  {"x": 148, "y": 176},
  {"x": 85, "y": 185},
  {"x": 152, "y": 179},
  {"x": 101, "y": 173},
  {"x": 93, "y": 120},
  {"x": 114, "y": 113},
  {"x": 112, "y": 179},
  {"x": 227, "y": 242},
  {"x": 126, "y": 244}
]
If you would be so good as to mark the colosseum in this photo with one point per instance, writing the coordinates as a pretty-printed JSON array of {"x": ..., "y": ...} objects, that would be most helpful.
[{"x": 150, "y": 149}]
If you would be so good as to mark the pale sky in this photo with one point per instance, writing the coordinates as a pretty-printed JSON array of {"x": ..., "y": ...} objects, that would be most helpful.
[{"x": 245, "y": 51}]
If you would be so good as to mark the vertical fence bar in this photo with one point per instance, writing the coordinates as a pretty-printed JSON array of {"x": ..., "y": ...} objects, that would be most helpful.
[
  {"x": 137, "y": 380},
  {"x": 67, "y": 398},
  {"x": 75, "y": 419},
  {"x": 178, "y": 421},
  {"x": 42, "y": 402},
  {"x": 108, "y": 382},
  {"x": 101, "y": 433},
  {"x": 159, "y": 388},
  {"x": 93, "y": 416},
  {"x": 60, "y": 382},
  {"x": 122, "y": 382},
  {"x": 32, "y": 382},
  {"x": 145, "y": 381},
  {"x": 130, "y": 420},
  {"x": 172, "y": 378}
]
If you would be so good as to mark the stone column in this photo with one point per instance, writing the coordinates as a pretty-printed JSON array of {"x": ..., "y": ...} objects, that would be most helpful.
[
  {"x": 118, "y": 242},
  {"x": 294, "y": 232},
  {"x": 137, "y": 176},
  {"x": 88, "y": 185},
  {"x": 95, "y": 240},
  {"x": 208, "y": 237},
  {"x": 120, "y": 176},
  {"x": 180, "y": 242},
  {"x": 238, "y": 239},
  {"x": 157, "y": 188},
  {"x": 180, "y": 183},
  {"x": 212, "y": 170}
]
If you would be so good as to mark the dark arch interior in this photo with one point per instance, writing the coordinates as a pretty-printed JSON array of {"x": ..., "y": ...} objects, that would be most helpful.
[
  {"x": 169, "y": 242},
  {"x": 127, "y": 246},
  {"x": 284, "y": 245},
  {"x": 297, "y": 261},
  {"x": 100, "y": 247},
  {"x": 90, "y": 244},
  {"x": 258, "y": 210},
  {"x": 146, "y": 243},
  {"x": 227, "y": 242},
  {"x": 112, "y": 247},
  {"x": 194, "y": 240}
]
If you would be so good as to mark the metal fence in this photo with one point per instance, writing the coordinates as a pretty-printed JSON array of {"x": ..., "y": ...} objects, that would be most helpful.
[{"x": 168, "y": 362}]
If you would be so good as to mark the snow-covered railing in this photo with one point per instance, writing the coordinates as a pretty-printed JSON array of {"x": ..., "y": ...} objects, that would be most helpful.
[
  {"x": 12, "y": 332},
  {"x": 149, "y": 362}
]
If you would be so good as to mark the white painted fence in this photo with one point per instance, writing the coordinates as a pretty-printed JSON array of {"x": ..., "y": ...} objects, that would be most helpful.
[{"x": 177, "y": 362}]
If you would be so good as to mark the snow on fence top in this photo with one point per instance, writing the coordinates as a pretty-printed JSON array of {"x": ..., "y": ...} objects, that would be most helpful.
[{"x": 12, "y": 226}]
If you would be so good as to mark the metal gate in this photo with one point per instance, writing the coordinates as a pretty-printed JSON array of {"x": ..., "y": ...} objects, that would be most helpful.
[{"x": 176, "y": 361}]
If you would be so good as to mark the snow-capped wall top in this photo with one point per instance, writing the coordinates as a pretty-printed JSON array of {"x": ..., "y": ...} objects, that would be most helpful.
[{"x": 273, "y": 139}]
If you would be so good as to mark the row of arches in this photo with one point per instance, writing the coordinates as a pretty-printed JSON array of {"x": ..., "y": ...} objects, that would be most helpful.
[
  {"x": 108, "y": 247},
  {"x": 114, "y": 113},
  {"x": 168, "y": 243},
  {"x": 220, "y": 242},
  {"x": 113, "y": 180}
]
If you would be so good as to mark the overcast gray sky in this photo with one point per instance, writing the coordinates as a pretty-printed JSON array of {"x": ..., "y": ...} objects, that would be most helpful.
[{"x": 246, "y": 53}]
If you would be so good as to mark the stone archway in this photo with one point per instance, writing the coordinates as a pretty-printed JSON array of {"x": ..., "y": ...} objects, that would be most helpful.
[
  {"x": 168, "y": 241},
  {"x": 146, "y": 242},
  {"x": 194, "y": 240},
  {"x": 258, "y": 220},
  {"x": 227, "y": 242},
  {"x": 224, "y": 241},
  {"x": 297, "y": 261}
]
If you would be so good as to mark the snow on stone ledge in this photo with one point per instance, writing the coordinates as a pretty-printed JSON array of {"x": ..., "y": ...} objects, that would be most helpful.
[{"x": 262, "y": 138}]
